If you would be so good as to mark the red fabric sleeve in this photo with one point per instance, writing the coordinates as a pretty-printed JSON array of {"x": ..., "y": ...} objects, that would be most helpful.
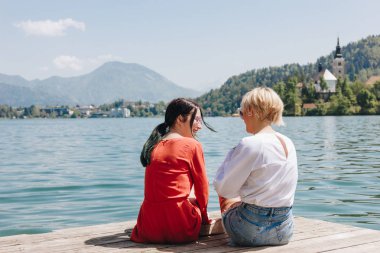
[{"x": 199, "y": 175}]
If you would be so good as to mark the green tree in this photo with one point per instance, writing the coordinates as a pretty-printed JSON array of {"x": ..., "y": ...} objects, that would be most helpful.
[
  {"x": 323, "y": 84},
  {"x": 339, "y": 105},
  {"x": 309, "y": 94},
  {"x": 280, "y": 88},
  {"x": 7, "y": 112},
  {"x": 119, "y": 103},
  {"x": 356, "y": 87},
  {"x": 376, "y": 90},
  {"x": 292, "y": 100},
  {"x": 367, "y": 101},
  {"x": 53, "y": 115},
  {"x": 322, "y": 108},
  {"x": 160, "y": 108},
  {"x": 347, "y": 91},
  {"x": 35, "y": 111},
  {"x": 76, "y": 114}
]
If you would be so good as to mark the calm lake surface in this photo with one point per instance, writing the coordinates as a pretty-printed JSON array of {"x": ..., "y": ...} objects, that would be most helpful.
[{"x": 58, "y": 173}]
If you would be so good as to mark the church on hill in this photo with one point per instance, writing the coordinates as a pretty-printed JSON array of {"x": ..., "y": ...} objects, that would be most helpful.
[
  {"x": 338, "y": 63},
  {"x": 324, "y": 80}
]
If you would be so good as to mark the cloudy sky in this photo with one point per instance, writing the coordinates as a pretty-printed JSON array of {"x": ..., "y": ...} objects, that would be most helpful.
[{"x": 194, "y": 43}]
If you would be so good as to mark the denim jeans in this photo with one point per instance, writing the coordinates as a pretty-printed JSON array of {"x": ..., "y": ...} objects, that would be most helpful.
[{"x": 251, "y": 225}]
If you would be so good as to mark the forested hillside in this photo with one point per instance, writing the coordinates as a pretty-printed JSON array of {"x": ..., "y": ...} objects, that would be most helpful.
[{"x": 362, "y": 60}]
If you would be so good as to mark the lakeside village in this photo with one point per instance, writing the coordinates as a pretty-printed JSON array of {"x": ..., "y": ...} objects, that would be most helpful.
[{"x": 118, "y": 109}]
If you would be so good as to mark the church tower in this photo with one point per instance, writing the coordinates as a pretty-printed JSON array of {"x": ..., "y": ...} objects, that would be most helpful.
[{"x": 338, "y": 62}]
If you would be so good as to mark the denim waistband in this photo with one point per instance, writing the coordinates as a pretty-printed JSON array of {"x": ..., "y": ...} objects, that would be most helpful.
[{"x": 266, "y": 210}]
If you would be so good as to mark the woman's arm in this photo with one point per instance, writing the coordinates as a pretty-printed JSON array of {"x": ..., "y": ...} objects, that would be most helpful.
[
  {"x": 226, "y": 204},
  {"x": 199, "y": 175},
  {"x": 236, "y": 168}
]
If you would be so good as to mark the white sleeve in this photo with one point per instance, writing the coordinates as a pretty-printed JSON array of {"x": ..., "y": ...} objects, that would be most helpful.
[{"x": 236, "y": 168}]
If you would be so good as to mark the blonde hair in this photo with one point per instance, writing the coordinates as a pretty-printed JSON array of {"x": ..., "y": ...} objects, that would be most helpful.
[{"x": 265, "y": 104}]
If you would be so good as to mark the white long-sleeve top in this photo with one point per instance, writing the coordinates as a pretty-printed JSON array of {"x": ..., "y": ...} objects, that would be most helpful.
[{"x": 258, "y": 171}]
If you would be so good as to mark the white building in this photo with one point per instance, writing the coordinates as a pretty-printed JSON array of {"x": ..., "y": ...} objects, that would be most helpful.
[
  {"x": 338, "y": 63},
  {"x": 330, "y": 80},
  {"x": 338, "y": 66},
  {"x": 120, "y": 113},
  {"x": 86, "y": 110}
]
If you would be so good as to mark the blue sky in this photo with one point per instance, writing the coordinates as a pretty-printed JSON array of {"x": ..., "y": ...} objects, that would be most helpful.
[{"x": 195, "y": 44}]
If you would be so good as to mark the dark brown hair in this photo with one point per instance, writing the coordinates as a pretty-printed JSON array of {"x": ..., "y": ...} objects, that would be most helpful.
[{"x": 177, "y": 107}]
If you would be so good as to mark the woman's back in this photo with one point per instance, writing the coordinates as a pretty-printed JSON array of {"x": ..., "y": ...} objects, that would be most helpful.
[
  {"x": 167, "y": 215},
  {"x": 262, "y": 171},
  {"x": 168, "y": 176},
  {"x": 274, "y": 175}
]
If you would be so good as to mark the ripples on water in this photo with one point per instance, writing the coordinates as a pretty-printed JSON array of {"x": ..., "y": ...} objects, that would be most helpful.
[{"x": 63, "y": 173}]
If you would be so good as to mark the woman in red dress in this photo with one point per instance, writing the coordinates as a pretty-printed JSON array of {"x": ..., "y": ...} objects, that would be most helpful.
[{"x": 174, "y": 165}]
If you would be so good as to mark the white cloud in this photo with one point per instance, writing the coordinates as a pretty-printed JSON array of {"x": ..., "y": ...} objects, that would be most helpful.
[
  {"x": 49, "y": 27},
  {"x": 74, "y": 63},
  {"x": 68, "y": 62}
]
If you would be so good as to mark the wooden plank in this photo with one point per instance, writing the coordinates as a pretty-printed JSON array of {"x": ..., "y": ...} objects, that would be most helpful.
[
  {"x": 204, "y": 244},
  {"x": 118, "y": 240},
  {"x": 90, "y": 231},
  {"x": 360, "y": 248},
  {"x": 327, "y": 243},
  {"x": 320, "y": 230},
  {"x": 310, "y": 236},
  {"x": 66, "y": 233}
]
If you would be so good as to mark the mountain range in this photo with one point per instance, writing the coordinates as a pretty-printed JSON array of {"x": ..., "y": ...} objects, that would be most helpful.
[{"x": 106, "y": 84}]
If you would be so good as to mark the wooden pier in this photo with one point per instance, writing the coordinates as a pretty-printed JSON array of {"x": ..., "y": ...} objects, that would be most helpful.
[{"x": 309, "y": 236}]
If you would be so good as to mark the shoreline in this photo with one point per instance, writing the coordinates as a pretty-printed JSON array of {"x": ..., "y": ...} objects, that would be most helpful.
[{"x": 161, "y": 116}]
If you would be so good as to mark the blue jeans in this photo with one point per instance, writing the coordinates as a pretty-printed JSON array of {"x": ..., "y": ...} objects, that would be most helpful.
[{"x": 251, "y": 225}]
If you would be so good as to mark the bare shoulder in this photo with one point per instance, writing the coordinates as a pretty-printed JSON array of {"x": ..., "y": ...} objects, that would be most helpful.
[{"x": 284, "y": 137}]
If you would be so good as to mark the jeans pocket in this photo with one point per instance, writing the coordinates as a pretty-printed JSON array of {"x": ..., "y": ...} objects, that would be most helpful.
[
  {"x": 241, "y": 231},
  {"x": 285, "y": 230}
]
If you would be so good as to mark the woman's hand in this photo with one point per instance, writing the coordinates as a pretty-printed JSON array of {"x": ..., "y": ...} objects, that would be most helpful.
[
  {"x": 226, "y": 204},
  {"x": 206, "y": 220},
  {"x": 213, "y": 228}
]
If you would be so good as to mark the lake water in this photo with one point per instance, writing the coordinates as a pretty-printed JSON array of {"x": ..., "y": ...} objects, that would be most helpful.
[{"x": 61, "y": 173}]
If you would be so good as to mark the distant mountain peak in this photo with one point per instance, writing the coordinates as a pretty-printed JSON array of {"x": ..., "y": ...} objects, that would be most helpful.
[
  {"x": 114, "y": 64},
  {"x": 118, "y": 66}
]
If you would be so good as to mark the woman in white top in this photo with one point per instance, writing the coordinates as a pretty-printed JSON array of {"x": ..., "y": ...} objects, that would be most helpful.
[{"x": 257, "y": 181}]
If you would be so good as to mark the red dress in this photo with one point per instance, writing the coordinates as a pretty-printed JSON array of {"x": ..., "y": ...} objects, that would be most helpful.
[{"x": 166, "y": 215}]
